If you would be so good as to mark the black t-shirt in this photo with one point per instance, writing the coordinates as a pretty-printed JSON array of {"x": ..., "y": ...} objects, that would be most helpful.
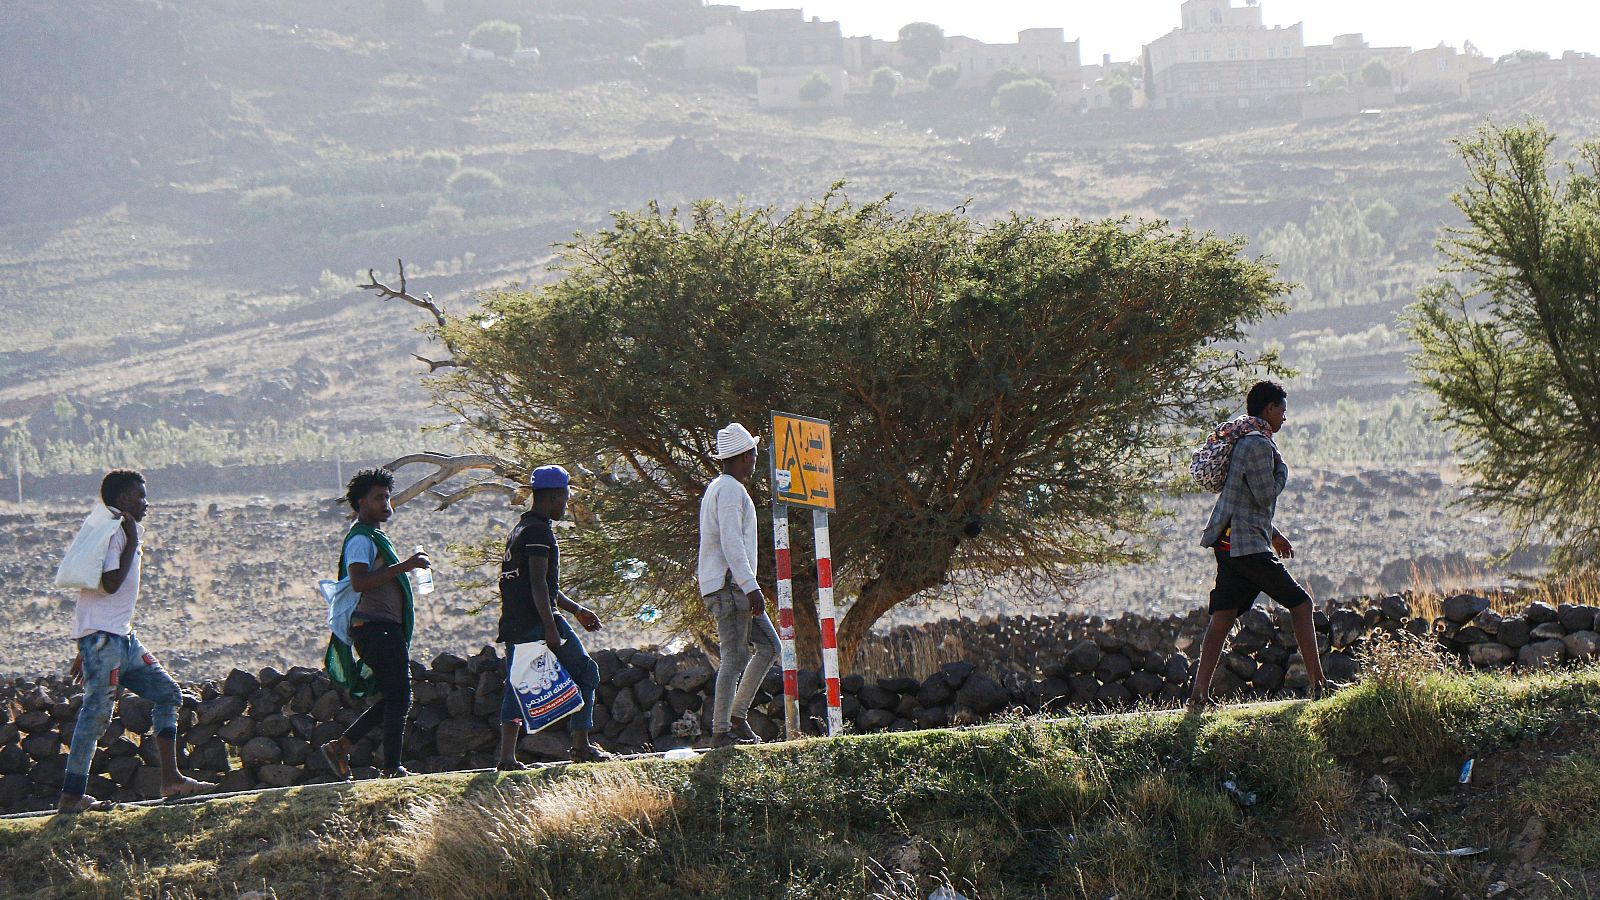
[{"x": 532, "y": 537}]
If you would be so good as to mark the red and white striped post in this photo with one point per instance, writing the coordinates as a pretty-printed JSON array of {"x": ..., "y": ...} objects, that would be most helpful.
[
  {"x": 786, "y": 654},
  {"x": 825, "y": 618}
]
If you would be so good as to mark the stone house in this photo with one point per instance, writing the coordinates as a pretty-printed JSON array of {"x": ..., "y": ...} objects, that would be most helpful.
[{"x": 1223, "y": 56}]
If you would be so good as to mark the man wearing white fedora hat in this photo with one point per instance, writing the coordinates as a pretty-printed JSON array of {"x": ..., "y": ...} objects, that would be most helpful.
[{"x": 728, "y": 586}]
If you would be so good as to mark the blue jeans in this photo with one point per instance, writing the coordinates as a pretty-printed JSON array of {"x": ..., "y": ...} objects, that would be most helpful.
[
  {"x": 110, "y": 660},
  {"x": 575, "y": 659}
]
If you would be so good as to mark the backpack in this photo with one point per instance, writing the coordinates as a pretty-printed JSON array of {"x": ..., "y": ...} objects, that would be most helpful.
[{"x": 1209, "y": 464}]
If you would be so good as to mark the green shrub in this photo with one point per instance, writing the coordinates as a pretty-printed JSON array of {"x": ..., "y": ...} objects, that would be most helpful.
[
  {"x": 818, "y": 87},
  {"x": 884, "y": 83},
  {"x": 498, "y": 36},
  {"x": 1024, "y": 99},
  {"x": 665, "y": 56},
  {"x": 472, "y": 180},
  {"x": 943, "y": 78}
]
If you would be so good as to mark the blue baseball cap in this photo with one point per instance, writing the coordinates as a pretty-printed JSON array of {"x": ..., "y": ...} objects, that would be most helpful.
[{"x": 549, "y": 477}]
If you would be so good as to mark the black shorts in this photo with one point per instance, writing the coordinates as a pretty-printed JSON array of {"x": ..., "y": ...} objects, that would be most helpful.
[{"x": 1241, "y": 578}]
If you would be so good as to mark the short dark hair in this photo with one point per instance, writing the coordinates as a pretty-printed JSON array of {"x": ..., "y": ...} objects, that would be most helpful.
[
  {"x": 117, "y": 481},
  {"x": 1262, "y": 395},
  {"x": 364, "y": 481}
]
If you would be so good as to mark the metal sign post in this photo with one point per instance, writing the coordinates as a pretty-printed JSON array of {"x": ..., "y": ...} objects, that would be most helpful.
[{"x": 802, "y": 475}]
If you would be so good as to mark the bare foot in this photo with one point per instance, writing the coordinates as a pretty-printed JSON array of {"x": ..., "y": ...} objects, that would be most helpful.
[
  {"x": 511, "y": 765},
  {"x": 186, "y": 787},
  {"x": 85, "y": 803}
]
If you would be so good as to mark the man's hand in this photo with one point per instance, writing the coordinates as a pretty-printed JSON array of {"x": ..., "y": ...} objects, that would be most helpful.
[
  {"x": 418, "y": 561},
  {"x": 1282, "y": 546},
  {"x": 552, "y": 635},
  {"x": 587, "y": 618},
  {"x": 758, "y": 603},
  {"x": 129, "y": 527}
]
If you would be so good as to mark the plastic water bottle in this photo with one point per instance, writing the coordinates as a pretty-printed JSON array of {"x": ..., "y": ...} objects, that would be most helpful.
[{"x": 423, "y": 577}]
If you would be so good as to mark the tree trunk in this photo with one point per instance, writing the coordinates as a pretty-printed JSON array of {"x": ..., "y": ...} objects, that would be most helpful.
[{"x": 877, "y": 597}]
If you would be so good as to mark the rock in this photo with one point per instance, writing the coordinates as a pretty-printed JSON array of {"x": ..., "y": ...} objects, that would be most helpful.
[
  {"x": 260, "y": 751},
  {"x": 1394, "y": 606},
  {"x": 1541, "y": 654},
  {"x": 875, "y": 719},
  {"x": 660, "y": 720},
  {"x": 42, "y": 745},
  {"x": 625, "y": 708},
  {"x": 1239, "y": 664},
  {"x": 1113, "y": 667},
  {"x": 1113, "y": 694},
  {"x": 1340, "y": 667},
  {"x": 1083, "y": 687},
  {"x": 629, "y": 677},
  {"x": 1143, "y": 684},
  {"x": 447, "y": 662},
  {"x": 1526, "y": 845},
  {"x": 1548, "y": 631},
  {"x": 900, "y": 684},
  {"x": 212, "y": 756},
  {"x": 1177, "y": 669},
  {"x": 982, "y": 695},
  {"x": 931, "y": 717},
  {"x": 692, "y": 679},
  {"x": 1259, "y": 622},
  {"x": 935, "y": 691},
  {"x": 876, "y": 697},
  {"x": 1514, "y": 632},
  {"x": 1539, "y": 612},
  {"x": 684, "y": 701},
  {"x": 279, "y": 775},
  {"x": 220, "y": 709},
  {"x": 455, "y": 737},
  {"x": 1461, "y": 608},
  {"x": 648, "y": 693},
  {"x": 956, "y": 673},
  {"x": 327, "y": 706},
  {"x": 1575, "y": 618},
  {"x": 274, "y": 726},
  {"x": 1345, "y": 627},
  {"x": 1471, "y": 634},
  {"x": 1081, "y": 656},
  {"x": 1489, "y": 621},
  {"x": 1582, "y": 645},
  {"x": 645, "y": 659},
  {"x": 34, "y": 721},
  {"x": 240, "y": 683},
  {"x": 1490, "y": 654},
  {"x": 852, "y": 684},
  {"x": 1268, "y": 677}
]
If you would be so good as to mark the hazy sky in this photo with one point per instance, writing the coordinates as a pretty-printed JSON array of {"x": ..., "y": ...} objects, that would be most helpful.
[{"x": 1120, "y": 27}]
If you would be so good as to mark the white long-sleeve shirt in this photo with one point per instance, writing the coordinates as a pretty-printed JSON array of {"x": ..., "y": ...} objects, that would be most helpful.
[{"x": 727, "y": 536}]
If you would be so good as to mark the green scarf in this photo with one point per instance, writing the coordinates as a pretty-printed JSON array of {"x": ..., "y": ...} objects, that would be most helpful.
[{"x": 344, "y": 669}]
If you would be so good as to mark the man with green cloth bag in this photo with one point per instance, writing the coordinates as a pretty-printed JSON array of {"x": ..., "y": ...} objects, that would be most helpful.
[{"x": 380, "y": 627}]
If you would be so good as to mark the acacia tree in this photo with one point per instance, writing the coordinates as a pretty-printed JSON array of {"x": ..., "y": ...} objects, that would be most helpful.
[
  {"x": 1004, "y": 396},
  {"x": 1509, "y": 341}
]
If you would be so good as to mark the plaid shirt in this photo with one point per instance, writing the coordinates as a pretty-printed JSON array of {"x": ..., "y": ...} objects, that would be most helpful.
[{"x": 1256, "y": 476}]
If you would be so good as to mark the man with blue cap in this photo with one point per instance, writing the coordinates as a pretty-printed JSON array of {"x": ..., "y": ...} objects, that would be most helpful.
[{"x": 529, "y": 597}]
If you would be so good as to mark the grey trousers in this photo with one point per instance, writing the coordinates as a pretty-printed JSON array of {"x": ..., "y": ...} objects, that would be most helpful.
[{"x": 742, "y": 669}]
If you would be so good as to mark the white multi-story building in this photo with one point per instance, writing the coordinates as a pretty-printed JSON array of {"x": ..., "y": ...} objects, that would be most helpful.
[
  {"x": 1223, "y": 56},
  {"x": 1440, "y": 72},
  {"x": 1045, "y": 52}
]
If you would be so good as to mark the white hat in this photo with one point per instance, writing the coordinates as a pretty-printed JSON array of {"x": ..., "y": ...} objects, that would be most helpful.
[{"x": 734, "y": 440}]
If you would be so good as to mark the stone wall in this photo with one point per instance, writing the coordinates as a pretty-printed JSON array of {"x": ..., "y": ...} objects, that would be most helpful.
[{"x": 260, "y": 730}]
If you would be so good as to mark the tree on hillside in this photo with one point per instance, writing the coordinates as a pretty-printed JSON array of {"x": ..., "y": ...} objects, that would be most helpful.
[
  {"x": 1120, "y": 93},
  {"x": 1510, "y": 337},
  {"x": 665, "y": 56},
  {"x": 816, "y": 88},
  {"x": 499, "y": 37},
  {"x": 884, "y": 84},
  {"x": 1376, "y": 74},
  {"x": 922, "y": 43},
  {"x": 1005, "y": 396},
  {"x": 943, "y": 78},
  {"x": 1024, "y": 99}
]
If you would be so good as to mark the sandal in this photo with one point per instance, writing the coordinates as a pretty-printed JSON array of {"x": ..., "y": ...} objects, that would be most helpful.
[
  {"x": 396, "y": 772},
  {"x": 338, "y": 761},
  {"x": 188, "y": 787},
  {"x": 85, "y": 804},
  {"x": 591, "y": 754}
]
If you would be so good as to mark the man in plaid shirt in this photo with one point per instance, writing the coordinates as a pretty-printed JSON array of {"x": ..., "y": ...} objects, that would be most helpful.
[{"x": 1240, "y": 533}]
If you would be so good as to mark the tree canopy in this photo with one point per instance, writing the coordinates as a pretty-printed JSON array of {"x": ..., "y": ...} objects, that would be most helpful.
[
  {"x": 1510, "y": 337},
  {"x": 1005, "y": 395},
  {"x": 922, "y": 42}
]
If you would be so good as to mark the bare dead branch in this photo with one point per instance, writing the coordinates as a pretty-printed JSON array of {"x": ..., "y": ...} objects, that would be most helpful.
[
  {"x": 448, "y": 467},
  {"x": 389, "y": 293},
  {"x": 435, "y": 365},
  {"x": 510, "y": 491}
]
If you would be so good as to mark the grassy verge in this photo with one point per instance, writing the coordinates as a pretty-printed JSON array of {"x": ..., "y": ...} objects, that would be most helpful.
[{"x": 1268, "y": 803}]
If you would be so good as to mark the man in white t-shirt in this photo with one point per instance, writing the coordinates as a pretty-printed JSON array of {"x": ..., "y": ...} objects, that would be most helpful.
[
  {"x": 728, "y": 586},
  {"x": 110, "y": 656}
]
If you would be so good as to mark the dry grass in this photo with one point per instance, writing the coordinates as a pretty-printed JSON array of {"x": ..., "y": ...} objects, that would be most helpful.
[
  {"x": 1429, "y": 590},
  {"x": 504, "y": 843}
]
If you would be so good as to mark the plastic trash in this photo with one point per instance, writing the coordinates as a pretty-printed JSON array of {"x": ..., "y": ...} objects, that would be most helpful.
[
  {"x": 680, "y": 753},
  {"x": 1466, "y": 772},
  {"x": 1457, "y": 852},
  {"x": 647, "y": 614},
  {"x": 946, "y": 892},
  {"x": 1240, "y": 795}
]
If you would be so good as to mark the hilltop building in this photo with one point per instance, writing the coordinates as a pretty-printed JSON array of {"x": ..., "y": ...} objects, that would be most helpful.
[
  {"x": 1517, "y": 77},
  {"x": 1441, "y": 72},
  {"x": 1045, "y": 52},
  {"x": 1348, "y": 55},
  {"x": 1223, "y": 56}
]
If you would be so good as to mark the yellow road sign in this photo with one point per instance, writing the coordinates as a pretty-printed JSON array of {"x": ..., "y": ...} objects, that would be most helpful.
[{"x": 802, "y": 461}]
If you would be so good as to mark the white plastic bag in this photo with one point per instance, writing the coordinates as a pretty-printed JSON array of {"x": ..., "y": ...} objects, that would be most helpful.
[
  {"x": 545, "y": 692},
  {"x": 82, "y": 565},
  {"x": 341, "y": 599}
]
